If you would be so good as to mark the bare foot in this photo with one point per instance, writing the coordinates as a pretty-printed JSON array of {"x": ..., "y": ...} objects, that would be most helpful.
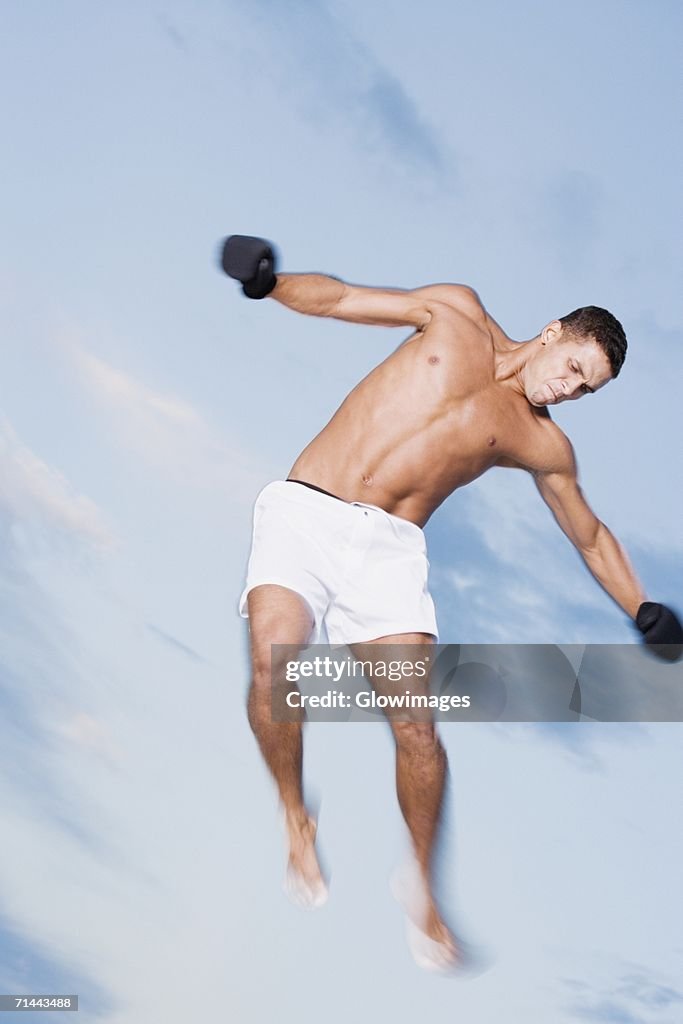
[
  {"x": 430, "y": 940},
  {"x": 304, "y": 883},
  {"x": 432, "y": 943}
]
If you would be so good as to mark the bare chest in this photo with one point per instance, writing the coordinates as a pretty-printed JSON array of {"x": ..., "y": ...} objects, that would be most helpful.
[
  {"x": 451, "y": 401},
  {"x": 486, "y": 423}
]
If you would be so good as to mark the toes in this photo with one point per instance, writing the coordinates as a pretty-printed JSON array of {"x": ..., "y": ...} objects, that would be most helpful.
[{"x": 438, "y": 957}]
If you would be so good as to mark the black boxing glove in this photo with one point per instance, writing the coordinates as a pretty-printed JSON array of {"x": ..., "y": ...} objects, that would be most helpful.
[
  {"x": 251, "y": 261},
  {"x": 661, "y": 629}
]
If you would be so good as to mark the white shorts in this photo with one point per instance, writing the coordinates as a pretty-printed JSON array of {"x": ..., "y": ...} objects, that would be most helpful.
[{"x": 361, "y": 571}]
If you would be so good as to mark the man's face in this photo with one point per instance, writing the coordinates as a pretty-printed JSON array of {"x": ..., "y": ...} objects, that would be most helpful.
[{"x": 565, "y": 368}]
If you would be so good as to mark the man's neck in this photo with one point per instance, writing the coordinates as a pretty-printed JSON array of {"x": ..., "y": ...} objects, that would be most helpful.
[{"x": 510, "y": 366}]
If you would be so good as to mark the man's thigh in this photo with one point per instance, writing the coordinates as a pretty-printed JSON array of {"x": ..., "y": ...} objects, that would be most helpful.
[{"x": 277, "y": 615}]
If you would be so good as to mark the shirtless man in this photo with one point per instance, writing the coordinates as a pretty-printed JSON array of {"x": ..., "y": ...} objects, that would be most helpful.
[{"x": 340, "y": 542}]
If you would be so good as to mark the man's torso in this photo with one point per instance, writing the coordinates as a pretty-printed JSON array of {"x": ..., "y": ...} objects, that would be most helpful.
[{"x": 429, "y": 419}]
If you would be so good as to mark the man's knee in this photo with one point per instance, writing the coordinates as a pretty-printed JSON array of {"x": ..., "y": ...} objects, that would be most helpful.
[
  {"x": 269, "y": 690},
  {"x": 261, "y": 674},
  {"x": 269, "y": 668}
]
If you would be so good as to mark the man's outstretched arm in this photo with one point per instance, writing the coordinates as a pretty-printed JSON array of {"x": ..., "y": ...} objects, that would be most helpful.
[
  {"x": 253, "y": 261},
  {"x": 599, "y": 548},
  {"x": 320, "y": 295},
  {"x": 606, "y": 558}
]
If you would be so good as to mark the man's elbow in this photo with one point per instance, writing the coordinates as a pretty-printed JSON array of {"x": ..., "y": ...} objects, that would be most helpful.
[{"x": 591, "y": 542}]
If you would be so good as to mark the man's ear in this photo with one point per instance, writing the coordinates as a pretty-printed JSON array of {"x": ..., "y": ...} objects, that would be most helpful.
[{"x": 551, "y": 332}]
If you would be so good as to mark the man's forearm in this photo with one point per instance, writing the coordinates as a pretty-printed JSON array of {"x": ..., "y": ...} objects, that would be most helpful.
[
  {"x": 609, "y": 564},
  {"x": 313, "y": 294}
]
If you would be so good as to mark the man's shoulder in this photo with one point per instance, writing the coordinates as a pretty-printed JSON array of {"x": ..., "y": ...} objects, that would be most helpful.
[
  {"x": 553, "y": 452},
  {"x": 458, "y": 298},
  {"x": 541, "y": 450}
]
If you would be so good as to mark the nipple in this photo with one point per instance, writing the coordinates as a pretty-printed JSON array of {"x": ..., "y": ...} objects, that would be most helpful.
[
  {"x": 367, "y": 479},
  {"x": 433, "y": 360},
  {"x": 491, "y": 441}
]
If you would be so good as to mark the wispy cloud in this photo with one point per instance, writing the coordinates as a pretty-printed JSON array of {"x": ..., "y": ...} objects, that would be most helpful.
[
  {"x": 344, "y": 82},
  {"x": 36, "y": 494},
  {"x": 177, "y": 38},
  {"x": 103, "y": 755},
  {"x": 634, "y": 996},
  {"x": 166, "y": 431},
  {"x": 606, "y": 1011},
  {"x": 27, "y": 966},
  {"x": 644, "y": 989},
  {"x": 94, "y": 727},
  {"x": 504, "y": 573}
]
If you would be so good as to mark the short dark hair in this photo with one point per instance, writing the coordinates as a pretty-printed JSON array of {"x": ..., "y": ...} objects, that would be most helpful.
[{"x": 604, "y": 328}]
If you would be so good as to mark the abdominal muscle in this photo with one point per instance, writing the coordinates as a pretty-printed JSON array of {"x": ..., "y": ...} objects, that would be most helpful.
[{"x": 418, "y": 426}]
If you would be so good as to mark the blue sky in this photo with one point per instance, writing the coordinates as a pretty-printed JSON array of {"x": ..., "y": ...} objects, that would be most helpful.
[{"x": 528, "y": 151}]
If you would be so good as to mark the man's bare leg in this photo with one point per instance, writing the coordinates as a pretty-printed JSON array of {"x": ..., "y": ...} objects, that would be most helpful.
[
  {"x": 421, "y": 767},
  {"x": 279, "y": 616}
]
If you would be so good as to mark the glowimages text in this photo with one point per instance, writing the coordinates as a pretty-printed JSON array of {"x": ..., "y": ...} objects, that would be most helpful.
[{"x": 368, "y": 699}]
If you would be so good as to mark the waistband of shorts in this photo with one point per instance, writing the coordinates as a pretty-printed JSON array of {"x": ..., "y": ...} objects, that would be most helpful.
[{"x": 338, "y": 507}]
